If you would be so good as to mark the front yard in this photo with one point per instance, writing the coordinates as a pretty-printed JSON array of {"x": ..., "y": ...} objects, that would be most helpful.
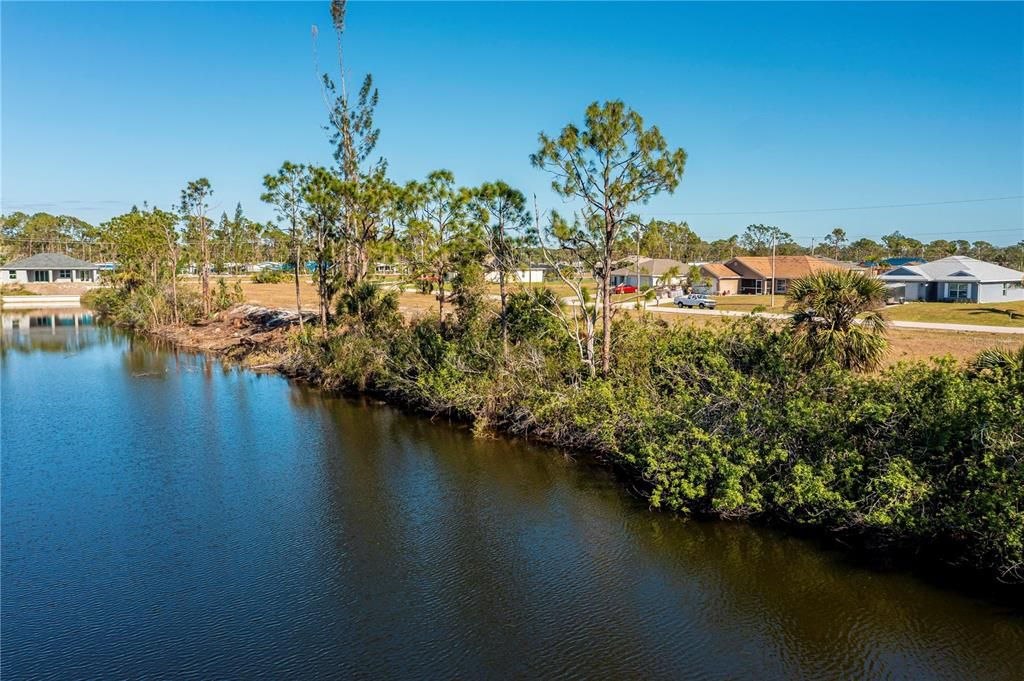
[
  {"x": 979, "y": 314},
  {"x": 983, "y": 314},
  {"x": 750, "y": 303}
]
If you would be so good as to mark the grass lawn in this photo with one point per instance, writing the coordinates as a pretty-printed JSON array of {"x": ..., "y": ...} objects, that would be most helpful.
[
  {"x": 984, "y": 314},
  {"x": 980, "y": 314},
  {"x": 560, "y": 289},
  {"x": 747, "y": 303}
]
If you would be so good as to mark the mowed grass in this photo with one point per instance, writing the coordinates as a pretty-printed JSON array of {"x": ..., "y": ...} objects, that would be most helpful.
[
  {"x": 981, "y": 314},
  {"x": 747, "y": 303},
  {"x": 978, "y": 314}
]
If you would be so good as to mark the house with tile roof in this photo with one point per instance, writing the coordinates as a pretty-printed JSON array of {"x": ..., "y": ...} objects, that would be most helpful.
[
  {"x": 722, "y": 281},
  {"x": 762, "y": 274},
  {"x": 958, "y": 278},
  {"x": 48, "y": 268}
]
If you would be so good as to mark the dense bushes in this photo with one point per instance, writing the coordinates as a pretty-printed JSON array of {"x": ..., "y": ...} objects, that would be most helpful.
[
  {"x": 724, "y": 421},
  {"x": 147, "y": 306},
  {"x": 143, "y": 307},
  {"x": 270, "y": 276}
]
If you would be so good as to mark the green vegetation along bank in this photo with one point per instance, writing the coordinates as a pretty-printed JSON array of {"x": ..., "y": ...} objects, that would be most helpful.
[{"x": 923, "y": 458}]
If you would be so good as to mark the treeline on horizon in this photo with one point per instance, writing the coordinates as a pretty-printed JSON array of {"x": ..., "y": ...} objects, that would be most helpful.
[
  {"x": 237, "y": 239},
  {"x": 792, "y": 422}
]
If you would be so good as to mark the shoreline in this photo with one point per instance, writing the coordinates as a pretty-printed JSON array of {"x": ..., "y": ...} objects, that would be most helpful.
[{"x": 257, "y": 338}]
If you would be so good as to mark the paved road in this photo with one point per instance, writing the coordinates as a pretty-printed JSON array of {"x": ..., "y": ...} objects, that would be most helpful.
[{"x": 977, "y": 328}]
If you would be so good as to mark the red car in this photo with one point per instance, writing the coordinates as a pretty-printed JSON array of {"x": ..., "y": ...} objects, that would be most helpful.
[{"x": 624, "y": 288}]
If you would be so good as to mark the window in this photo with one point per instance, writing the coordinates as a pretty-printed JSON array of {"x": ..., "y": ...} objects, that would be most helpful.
[
  {"x": 752, "y": 286},
  {"x": 40, "y": 275},
  {"x": 63, "y": 274},
  {"x": 781, "y": 285},
  {"x": 12, "y": 275},
  {"x": 959, "y": 291},
  {"x": 84, "y": 275}
]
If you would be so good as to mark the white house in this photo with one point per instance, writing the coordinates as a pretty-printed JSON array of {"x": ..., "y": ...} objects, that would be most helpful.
[
  {"x": 531, "y": 275},
  {"x": 48, "y": 268},
  {"x": 653, "y": 272},
  {"x": 958, "y": 278}
]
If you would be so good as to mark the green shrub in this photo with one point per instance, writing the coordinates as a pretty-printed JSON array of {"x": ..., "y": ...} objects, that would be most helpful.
[{"x": 269, "y": 276}]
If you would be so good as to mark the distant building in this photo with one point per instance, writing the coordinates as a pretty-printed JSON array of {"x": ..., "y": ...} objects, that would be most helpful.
[
  {"x": 382, "y": 267},
  {"x": 958, "y": 278},
  {"x": 893, "y": 262},
  {"x": 653, "y": 272},
  {"x": 880, "y": 266},
  {"x": 54, "y": 268},
  {"x": 529, "y": 275}
]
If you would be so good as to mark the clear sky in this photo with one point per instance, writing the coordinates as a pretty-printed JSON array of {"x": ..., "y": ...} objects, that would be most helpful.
[{"x": 780, "y": 106}]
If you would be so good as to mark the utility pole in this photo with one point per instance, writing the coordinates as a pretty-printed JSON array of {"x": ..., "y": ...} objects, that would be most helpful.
[
  {"x": 774, "y": 238},
  {"x": 638, "y": 258},
  {"x": 812, "y": 246}
]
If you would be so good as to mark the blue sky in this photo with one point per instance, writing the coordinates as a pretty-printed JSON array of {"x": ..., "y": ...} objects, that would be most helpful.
[{"x": 781, "y": 107}]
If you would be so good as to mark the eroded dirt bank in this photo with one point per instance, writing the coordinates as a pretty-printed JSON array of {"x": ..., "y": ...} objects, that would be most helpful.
[{"x": 252, "y": 335}]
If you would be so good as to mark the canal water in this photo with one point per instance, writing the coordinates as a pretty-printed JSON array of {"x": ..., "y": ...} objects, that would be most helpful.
[{"x": 165, "y": 515}]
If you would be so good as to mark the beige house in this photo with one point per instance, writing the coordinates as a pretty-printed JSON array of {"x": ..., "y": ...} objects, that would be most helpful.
[
  {"x": 721, "y": 280},
  {"x": 48, "y": 268},
  {"x": 762, "y": 274}
]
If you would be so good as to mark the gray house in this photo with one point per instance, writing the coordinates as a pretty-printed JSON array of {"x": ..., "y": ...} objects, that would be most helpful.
[
  {"x": 653, "y": 272},
  {"x": 48, "y": 268},
  {"x": 958, "y": 278}
]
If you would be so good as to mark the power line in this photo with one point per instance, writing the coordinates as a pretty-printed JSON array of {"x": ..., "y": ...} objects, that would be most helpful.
[
  {"x": 826, "y": 210},
  {"x": 961, "y": 232}
]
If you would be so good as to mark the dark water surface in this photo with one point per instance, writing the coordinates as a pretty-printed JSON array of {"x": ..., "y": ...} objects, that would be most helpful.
[{"x": 164, "y": 515}]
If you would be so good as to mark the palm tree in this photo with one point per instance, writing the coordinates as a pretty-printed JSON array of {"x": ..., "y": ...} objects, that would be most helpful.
[
  {"x": 999, "y": 358},
  {"x": 826, "y": 324},
  {"x": 369, "y": 306}
]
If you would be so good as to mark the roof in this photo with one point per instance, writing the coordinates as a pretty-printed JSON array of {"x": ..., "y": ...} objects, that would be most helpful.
[
  {"x": 954, "y": 268},
  {"x": 893, "y": 262},
  {"x": 719, "y": 271},
  {"x": 842, "y": 264},
  {"x": 651, "y": 266},
  {"x": 785, "y": 267},
  {"x": 49, "y": 261}
]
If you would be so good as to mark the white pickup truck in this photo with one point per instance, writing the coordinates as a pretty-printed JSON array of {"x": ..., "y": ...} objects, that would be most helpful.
[{"x": 693, "y": 300}]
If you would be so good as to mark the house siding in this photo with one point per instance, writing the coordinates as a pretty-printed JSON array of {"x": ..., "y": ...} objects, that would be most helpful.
[
  {"x": 20, "y": 277},
  {"x": 993, "y": 293},
  {"x": 915, "y": 290},
  {"x": 630, "y": 280},
  {"x": 725, "y": 287}
]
